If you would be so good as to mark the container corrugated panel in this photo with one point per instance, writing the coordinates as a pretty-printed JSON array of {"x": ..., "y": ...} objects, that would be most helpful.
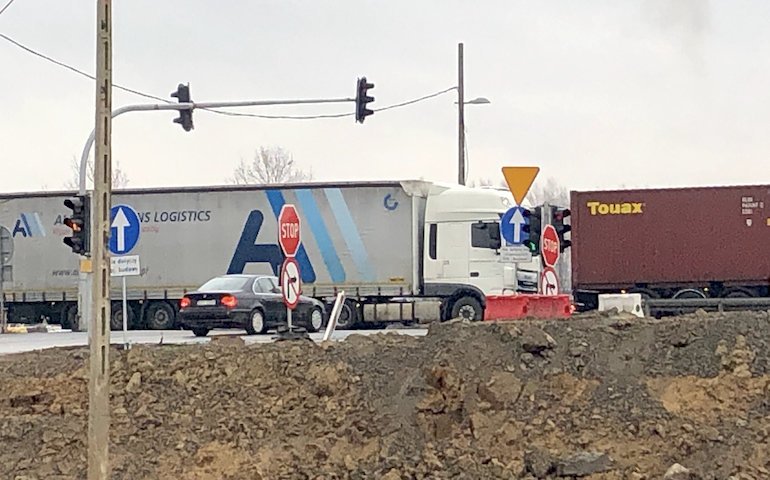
[{"x": 671, "y": 236}]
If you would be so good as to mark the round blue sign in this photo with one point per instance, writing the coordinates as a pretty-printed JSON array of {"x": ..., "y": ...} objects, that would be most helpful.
[
  {"x": 512, "y": 226},
  {"x": 124, "y": 229}
]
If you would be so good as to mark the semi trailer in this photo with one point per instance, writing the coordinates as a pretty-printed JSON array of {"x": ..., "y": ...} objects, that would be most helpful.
[
  {"x": 401, "y": 250},
  {"x": 680, "y": 248}
]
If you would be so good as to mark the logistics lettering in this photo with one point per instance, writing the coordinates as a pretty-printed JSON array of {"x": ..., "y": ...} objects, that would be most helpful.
[
  {"x": 175, "y": 216},
  {"x": 627, "y": 208}
]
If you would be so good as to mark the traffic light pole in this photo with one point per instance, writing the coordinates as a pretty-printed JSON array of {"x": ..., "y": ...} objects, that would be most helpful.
[
  {"x": 99, "y": 378},
  {"x": 189, "y": 106},
  {"x": 86, "y": 276},
  {"x": 545, "y": 219}
]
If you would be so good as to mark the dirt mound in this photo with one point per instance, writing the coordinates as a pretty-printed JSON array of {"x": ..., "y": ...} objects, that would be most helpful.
[{"x": 601, "y": 397}]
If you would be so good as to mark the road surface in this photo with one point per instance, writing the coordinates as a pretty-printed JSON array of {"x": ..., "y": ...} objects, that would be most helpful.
[{"x": 26, "y": 342}]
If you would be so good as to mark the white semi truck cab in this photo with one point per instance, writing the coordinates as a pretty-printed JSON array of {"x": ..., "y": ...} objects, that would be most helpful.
[{"x": 461, "y": 258}]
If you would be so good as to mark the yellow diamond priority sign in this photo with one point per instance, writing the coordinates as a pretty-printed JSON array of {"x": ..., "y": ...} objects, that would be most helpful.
[{"x": 519, "y": 180}]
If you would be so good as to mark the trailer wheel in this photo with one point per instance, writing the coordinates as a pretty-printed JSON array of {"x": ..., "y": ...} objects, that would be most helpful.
[
  {"x": 160, "y": 316},
  {"x": 467, "y": 308},
  {"x": 349, "y": 317},
  {"x": 116, "y": 316},
  {"x": 689, "y": 293},
  {"x": 738, "y": 293},
  {"x": 69, "y": 316}
]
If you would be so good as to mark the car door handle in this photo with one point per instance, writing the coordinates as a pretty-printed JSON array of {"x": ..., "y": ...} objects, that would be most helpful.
[{"x": 474, "y": 274}]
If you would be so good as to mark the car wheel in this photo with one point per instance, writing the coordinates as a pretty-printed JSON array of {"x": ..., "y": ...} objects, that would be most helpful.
[
  {"x": 316, "y": 320},
  {"x": 256, "y": 323},
  {"x": 200, "y": 331}
]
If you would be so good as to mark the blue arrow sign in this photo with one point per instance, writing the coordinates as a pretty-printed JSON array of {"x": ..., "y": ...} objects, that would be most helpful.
[
  {"x": 511, "y": 226},
  {"x": 124, "y": 229}
]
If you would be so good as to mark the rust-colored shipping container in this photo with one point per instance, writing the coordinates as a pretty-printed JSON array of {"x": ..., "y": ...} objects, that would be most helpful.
[{"x": 673, "y": 243}]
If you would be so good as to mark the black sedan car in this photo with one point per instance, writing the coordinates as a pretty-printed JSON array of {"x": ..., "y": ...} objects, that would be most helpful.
[{"x": 253, "y": 302}]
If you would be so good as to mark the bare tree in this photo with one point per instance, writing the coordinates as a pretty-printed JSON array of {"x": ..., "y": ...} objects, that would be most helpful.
[
  {"x": 550, "y": 191},
  {"x": 270, "y": 165},
  {"x": 119, "y": 177}
]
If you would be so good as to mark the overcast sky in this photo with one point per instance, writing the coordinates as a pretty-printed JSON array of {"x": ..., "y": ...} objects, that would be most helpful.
[{"x": 599, "y": 94}]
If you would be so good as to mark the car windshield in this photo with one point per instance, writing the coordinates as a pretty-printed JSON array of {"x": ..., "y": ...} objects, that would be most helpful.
[{"x": 228, "y": 284}]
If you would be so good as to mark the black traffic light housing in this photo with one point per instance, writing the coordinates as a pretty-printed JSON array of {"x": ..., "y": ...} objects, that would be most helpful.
[
  {"x": 78, "y": 221},
  {"x": 363, "y": 98},
  {"x": 559, "y": 215},
  {"x": 185, "y": 116},
  {"x": 533, "y": 228}
]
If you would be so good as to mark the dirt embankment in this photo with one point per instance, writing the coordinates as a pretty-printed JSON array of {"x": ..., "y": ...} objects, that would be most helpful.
[{"x": 600, "y": 398}]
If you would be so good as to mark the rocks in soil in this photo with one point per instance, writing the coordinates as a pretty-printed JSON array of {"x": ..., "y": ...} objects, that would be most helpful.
[{"x": 599, "y": 397}]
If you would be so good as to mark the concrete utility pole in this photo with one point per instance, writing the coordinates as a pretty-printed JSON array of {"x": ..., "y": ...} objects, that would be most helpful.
[
  {"x": 460, "y": 117},
  {"x": 99, "y": 331}
]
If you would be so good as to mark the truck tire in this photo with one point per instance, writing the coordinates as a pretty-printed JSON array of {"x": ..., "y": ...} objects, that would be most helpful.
[
  {"x": 160, "y": 316},
  {"x": 116, "y": 317},
  {"x": 69, "y": 316},
  {"x": 349, "y": 317},
  {"x": 467, "y": 308}
]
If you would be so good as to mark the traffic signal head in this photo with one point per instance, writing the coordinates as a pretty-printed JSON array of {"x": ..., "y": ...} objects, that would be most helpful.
[
  {"x": 185, "y": 116},
  {"x": 559, "y": 215},
  {"x": 533, "y": 227},
  {"x": 362, "y": 98},
  {"x": 78, "y": 221}
]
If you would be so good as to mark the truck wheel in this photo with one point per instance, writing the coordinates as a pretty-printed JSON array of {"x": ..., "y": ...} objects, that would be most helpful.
[
  {"x": 116, "y": 317},
  {"x": 200, "y": 331},
  {"x": 69, "y": 316},
  {"x": 467, "y": 308},
  {"x": 256, "y": 323},
  {"x": 348, "y": 316},
  {"x": 160, "y": 316}
]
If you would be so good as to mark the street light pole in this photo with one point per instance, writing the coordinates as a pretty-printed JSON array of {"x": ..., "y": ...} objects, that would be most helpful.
[{"x": 460, "y": 117}]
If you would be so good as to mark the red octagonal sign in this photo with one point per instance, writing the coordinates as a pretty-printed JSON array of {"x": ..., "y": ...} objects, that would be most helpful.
[
  {"x": 288, "y": 230},
  {"x": 549, "y": 246}
]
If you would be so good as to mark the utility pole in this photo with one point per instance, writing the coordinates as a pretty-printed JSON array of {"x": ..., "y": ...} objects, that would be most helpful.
[
  {"x": 460, "y": 117},
  {"x": 99, "y": 330}
]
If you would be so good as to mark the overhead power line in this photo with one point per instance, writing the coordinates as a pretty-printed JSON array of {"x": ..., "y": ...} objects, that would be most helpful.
[
  {"x": 76, "y": 70},
  {"x": 6, "y": 6},
  {"x": 217, "y": 111}
]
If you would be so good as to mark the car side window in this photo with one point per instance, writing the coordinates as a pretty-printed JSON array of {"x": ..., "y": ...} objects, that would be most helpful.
[{"x": 265, "y": 285}]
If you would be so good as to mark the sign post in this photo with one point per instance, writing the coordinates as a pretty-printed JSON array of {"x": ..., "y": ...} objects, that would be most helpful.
[
  {"x": 125, "y": 228},
  {"x": 124, "y": 267},
  {"x": 289, "y": 238},
  {"x": 6, "y": 251}
]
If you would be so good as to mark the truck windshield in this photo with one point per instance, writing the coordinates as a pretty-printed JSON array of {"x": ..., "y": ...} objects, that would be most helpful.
[{"x": 229, "y": 284}]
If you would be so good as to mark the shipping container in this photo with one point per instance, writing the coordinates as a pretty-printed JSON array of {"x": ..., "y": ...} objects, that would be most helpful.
[{"x": 671, "y": 243}]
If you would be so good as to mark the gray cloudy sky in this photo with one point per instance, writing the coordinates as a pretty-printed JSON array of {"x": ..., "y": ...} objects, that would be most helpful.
[{"x": 599, "y": 94}]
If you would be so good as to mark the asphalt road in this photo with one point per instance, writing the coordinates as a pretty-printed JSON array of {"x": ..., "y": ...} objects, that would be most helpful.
[{"x": 26, "y": 342}]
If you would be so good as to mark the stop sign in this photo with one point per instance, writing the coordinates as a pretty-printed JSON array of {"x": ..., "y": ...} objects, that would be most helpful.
[
  {"x": 549, "y": 246},
  {"x": 288, "y": 230}
]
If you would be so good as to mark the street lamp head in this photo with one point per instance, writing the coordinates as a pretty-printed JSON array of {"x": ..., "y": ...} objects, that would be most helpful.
[{"x": 478, "y": 101}]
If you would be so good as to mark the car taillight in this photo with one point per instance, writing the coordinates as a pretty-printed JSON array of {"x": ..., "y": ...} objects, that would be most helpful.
[
  {"x": 185, "y": 302},
  {"x": 229, "y": 301}
]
